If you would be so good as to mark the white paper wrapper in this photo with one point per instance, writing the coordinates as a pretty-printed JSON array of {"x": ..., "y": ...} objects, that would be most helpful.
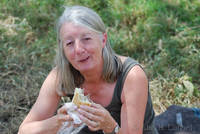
[{"x": 68, "y": 127}]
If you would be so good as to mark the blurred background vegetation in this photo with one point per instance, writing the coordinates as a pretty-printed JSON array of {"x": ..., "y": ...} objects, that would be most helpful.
[{"x": 163, "y": 35}]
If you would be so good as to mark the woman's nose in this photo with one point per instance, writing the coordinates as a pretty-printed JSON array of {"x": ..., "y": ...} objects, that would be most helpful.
[{"x": 78, "y": 47}]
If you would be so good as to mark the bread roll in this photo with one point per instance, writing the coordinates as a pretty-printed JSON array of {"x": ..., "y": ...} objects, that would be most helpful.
[{"x": 79, "y": 98}]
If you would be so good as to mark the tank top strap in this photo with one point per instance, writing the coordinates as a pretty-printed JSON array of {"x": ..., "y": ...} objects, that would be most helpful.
[{"x": 127, "y": 65}]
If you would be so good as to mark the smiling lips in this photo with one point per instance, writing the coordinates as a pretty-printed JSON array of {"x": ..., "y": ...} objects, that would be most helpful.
[{"x": 84, "y": 59}]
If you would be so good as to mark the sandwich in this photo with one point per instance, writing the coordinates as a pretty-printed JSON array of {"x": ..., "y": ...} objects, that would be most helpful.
[{"x": 80, "y": 99}]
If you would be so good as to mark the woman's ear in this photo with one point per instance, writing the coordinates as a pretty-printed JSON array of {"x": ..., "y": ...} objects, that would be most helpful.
[{"x": 104, "y": 39}]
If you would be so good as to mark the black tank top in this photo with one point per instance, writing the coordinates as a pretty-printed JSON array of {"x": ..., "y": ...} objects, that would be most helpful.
[{"x": 115, "y": 106}]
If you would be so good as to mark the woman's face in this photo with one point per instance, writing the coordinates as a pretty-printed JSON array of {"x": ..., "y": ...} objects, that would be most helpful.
[{"x": 82, "y": 47}]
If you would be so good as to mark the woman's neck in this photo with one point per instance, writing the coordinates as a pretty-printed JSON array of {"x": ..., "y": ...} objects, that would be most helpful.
[
  {"x": 93, "y": 80},
  {"x": 94, "y": 76}
]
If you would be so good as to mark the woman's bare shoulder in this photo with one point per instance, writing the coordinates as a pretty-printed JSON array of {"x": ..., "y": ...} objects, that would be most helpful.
[
  {"x": 136, "y": 80},
  {"x": 52, "y": 81},
  {"x": 53, "y": 73}
]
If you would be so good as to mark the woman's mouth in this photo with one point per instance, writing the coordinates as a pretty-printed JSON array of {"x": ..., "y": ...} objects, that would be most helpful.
[{"x": 84, "y": 60}]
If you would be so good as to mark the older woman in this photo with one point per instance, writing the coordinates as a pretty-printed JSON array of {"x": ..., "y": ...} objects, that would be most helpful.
[{"x": 116, "y": 84}]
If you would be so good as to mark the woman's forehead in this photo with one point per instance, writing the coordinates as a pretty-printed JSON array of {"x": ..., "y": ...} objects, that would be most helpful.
[{"x": 69, "y": 29}]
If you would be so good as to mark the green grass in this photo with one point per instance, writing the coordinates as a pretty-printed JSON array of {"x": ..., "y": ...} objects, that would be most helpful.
[{"x": 163, "y": 35}]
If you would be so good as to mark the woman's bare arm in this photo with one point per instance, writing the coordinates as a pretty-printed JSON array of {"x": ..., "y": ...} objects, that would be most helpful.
[
  {"x": 134, "y": 99},
  {"x": 41, "y": 118}
]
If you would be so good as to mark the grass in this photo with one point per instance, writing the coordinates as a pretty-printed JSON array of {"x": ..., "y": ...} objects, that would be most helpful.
[{"x": 164, "y": 36}]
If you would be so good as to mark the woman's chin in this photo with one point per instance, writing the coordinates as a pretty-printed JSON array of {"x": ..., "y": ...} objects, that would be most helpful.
[{"x": 85, "y": 69}]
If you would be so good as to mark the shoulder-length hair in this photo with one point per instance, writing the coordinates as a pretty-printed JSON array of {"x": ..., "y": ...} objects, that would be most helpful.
[{"x": 68, "y": 76}]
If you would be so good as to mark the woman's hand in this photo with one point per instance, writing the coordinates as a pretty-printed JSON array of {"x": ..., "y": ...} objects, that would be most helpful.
[
  {"x": 96, "y": 118},
  {"x": 62, "y": 116},
  {"x": 50, "y": 125}
]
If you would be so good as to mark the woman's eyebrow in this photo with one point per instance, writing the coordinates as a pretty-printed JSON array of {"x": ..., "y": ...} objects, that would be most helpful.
[
  {"x": 69, "y": 37},
  {"x": 87, "y": 34}
]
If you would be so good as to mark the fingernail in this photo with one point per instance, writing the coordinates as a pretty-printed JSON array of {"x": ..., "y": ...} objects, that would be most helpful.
[
  {"x": 80, "y": 116},
  {"x": 79, "y": 110},
  {"x": 75, "y": 107},
  {"x": 81, "y": 106}
]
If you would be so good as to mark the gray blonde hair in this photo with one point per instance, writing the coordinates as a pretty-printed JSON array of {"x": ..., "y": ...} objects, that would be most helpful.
[{"x": 69, "y": 77}]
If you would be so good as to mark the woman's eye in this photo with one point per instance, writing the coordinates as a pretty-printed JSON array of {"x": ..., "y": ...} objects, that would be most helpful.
[
  {"x": 87, "y": 38},
  {"x": 69, "y": 43}
]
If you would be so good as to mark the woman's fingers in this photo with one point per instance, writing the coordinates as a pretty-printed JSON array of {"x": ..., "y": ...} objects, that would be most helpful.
[
  {"x": 77, "y": 125},
  {"x": 94, "y": 128},
  {"x": 63, "y": 118},
  {"x": 93, "y": 110},
  {"x": 100, "y": 112},
  {"x": 62, "y": 110},
  {"x": 62, "y": 115},
  {"x": 96, "y": 105},
  {"x": 90, "y": 116},
  {"x": 65, "y": 108},
  {"x": 95, "y": 116},
  {"x": 90, "y": 123}
]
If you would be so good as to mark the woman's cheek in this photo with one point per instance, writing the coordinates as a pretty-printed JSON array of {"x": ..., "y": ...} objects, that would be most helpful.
[{"x": 69, "y": 54}]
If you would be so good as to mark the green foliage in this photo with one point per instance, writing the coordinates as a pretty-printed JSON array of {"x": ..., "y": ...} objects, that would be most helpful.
[
  {"x": 41, "y": 15},
  {"x": 163, "y": 35}
]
